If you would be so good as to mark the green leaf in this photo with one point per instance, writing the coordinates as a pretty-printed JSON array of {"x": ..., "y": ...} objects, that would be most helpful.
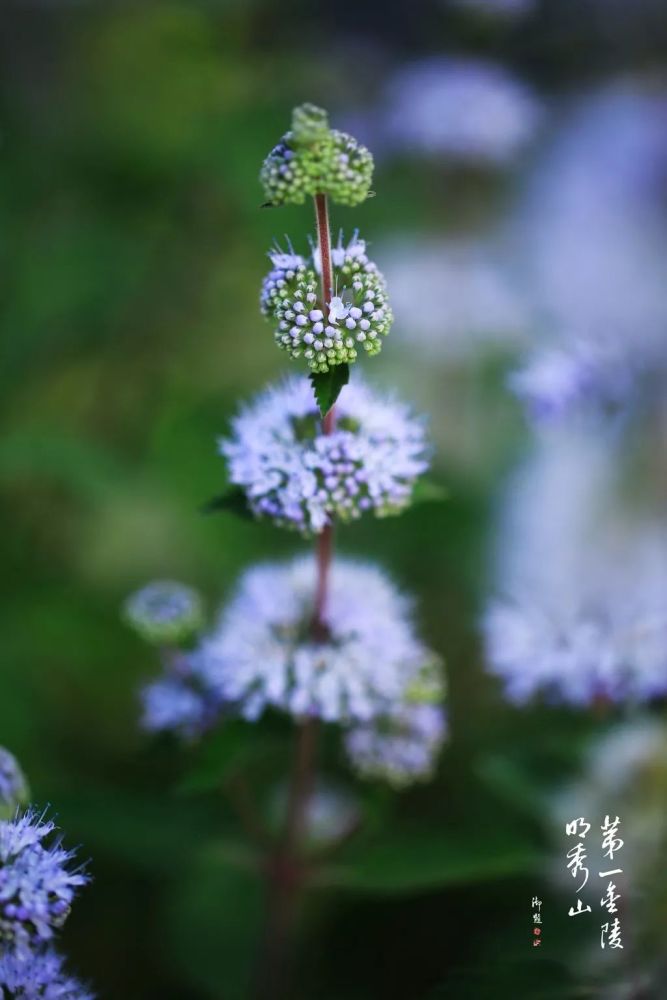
[
  {"x": 214, "y": 924},
  {"x": 327, "y": 386},
  {"x": 426, "y": 491},
  {"x": 145, "y": 832},
  {"x": 232, "y": 501},
  {"x": 533, "y": 978},
  {"x": 514, "y": 785},
  {"x": 414, "y": 860},
  {"x": 236, "y": 745}
]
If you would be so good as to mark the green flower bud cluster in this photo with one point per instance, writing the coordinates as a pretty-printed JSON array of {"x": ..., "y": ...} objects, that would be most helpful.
[
  {"x": 165, "y": 613},
  {"x": 314, "y": 159},
  {"x": 357, "y": 317}
]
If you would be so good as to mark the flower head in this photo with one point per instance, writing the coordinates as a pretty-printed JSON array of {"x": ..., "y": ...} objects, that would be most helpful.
[
  {"x": 180, "y": 700},
  {"x": 552, "y": 382},
  {"x": 36, "y": 884},
  {"x": 299, "y": 477},
  {"x": 177, "y": 704},
  {"x": 579, "y": 611},
  {"x": 313, "y": 159},
  {"x": 331, "y": 813},
  {"x": 358, "y": 316},
  {"x": 165, "y": 613},
  {"x": 263, "y": 652},
  {"x": 598, "y": 283},
  {"x": 467, "y": 110},
  {"x": 401, "y": 748},
  {"x": 40, "y": 975},
  {"x": 13, "y": 786}
]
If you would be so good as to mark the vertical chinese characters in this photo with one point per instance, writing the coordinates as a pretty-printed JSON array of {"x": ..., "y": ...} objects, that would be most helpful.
[
  {"x": 610, "y": 931},
  {"x": 577, "y": 857}
]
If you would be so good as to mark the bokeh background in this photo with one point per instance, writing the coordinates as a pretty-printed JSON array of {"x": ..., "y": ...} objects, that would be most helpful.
[{"x": 520, "y": 197}]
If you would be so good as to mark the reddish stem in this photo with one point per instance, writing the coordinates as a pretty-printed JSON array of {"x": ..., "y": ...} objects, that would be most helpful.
[
  {"x": 324, "y": 245},
  {"x": 286, "y": 869}
]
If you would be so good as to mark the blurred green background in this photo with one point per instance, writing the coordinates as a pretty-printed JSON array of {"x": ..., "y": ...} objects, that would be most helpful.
[{"x": 133, "y": 246}]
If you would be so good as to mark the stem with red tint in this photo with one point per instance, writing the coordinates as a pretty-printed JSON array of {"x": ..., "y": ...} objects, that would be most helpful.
[{"x": 285, "y": 870}]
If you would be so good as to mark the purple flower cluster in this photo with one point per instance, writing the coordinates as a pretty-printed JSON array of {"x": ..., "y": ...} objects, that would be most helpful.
[
  {"x": 180, "y": 701},
  {"x": 262, "y": 653},
  {"x": 13, "y": 786},
  {"x": 358, "y": 316},
  {"x": 400, "y": 748},
  {"x": 322, "y": 637},
  {"x": 37, "y": 885},
  {"x": 301, "y": 478},
  {"x": 611, "y": 653},
  {"x": 38, "y": 976}
]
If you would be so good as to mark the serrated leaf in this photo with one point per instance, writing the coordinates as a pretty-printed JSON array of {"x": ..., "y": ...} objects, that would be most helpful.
[
  {"x": 232, "y": 501},
  {"x": 426, "y": 491},
  {"x": 327, "y": 386}
]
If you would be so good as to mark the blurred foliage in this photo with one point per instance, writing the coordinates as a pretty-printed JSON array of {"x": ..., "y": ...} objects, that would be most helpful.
[{"x": 132, "y": 248}]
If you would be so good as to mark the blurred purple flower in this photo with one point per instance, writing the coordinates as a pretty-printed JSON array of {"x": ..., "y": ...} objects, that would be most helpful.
[
  {"x": 401, "y": 748},
  {"x": 466, "y": 110},
  {"x": 262, "y": 653},
  {"x": 579, "y": 610},
  {"x": 182, "y": 705},
  {"x": 40, "y": 975},
  {"x": 331, "y": 813},
  {"x": 594, "y": 231},
  {"x": 454, "y": 298}
]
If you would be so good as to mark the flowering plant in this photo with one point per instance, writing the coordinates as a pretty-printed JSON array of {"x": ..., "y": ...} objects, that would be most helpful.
[
  {"x": 38, "y": 884},
  {"x": 322, "y": 639}
]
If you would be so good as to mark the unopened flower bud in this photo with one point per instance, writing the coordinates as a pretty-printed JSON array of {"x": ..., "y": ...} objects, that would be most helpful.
[
  {"x": 165, "y": 613},
  {"x": 313, "y": 159}
]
